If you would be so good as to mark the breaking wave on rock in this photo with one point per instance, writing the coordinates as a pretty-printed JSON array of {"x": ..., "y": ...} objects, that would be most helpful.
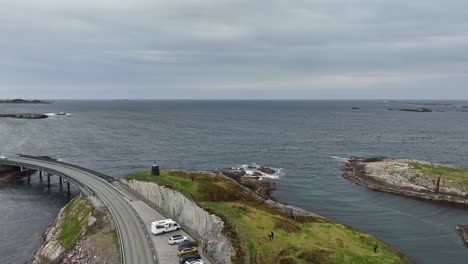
[{"x": 254, "y": 170}]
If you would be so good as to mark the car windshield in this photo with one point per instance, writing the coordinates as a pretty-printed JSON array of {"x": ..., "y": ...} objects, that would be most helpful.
[{"x": 176, "y": 237}]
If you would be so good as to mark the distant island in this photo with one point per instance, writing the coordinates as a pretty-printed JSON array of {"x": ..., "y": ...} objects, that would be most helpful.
[
  {"x": 25, "y": 116},
  {"x": 23, "y": 101},
  {"x": 419, "y": 110}
]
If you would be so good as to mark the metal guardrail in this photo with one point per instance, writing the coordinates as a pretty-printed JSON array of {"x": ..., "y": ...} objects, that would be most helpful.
[
  {"x": 83, "y": 188},
  {"x": 48, "y": 159}
]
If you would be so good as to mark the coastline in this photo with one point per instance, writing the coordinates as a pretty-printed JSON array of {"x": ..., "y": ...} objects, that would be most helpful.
[
  {"x": 414, "y": 179},
  {"x": 399, "y": 176},
  {"x": 82, "y": 233}
]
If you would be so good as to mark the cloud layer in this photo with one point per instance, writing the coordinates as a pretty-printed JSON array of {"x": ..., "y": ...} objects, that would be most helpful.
[{"x": 234, "y": 49}]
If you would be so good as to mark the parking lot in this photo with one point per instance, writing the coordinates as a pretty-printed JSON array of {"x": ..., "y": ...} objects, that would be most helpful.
[{"x": 164, "y": 252}]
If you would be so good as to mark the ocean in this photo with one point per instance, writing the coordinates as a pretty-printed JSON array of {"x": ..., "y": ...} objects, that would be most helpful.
[{"x": 308, "y": 140}]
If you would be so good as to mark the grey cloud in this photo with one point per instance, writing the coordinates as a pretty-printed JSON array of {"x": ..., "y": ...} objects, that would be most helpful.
[{"x": 245, "y": 49}]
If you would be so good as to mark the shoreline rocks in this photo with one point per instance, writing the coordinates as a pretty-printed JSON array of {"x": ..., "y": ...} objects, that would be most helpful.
[
  {"x": 397, "y": 176},
  {"x": 94, "y": 243},
  {"x": 463, "y": 231},
  {"x": 251, "y": 177}
]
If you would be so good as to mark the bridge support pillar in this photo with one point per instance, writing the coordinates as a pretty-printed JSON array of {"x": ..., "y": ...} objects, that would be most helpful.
[
  {"x": 68, "y": 187},
  {"x": 40, "y": 175},
  {"x": 29, "y": 178},
  {"x": 48, "y": 180},
  {"x": 60, "y": 181}
]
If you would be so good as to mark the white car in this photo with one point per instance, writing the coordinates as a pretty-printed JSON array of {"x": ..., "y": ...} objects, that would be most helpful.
[
  {"x": 177, "y": 239},
  {"x": 198, "y": 261},
  {"x": 3, "y": 157}
]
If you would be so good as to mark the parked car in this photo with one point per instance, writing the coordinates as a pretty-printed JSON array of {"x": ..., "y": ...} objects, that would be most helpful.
[
  {"x": 188, "y": 250},
  {"x": 187, "y": 243},
  {"x": 189, "y": 257},
  {"x": 177, "y": 239},
  {"x": 197, "y": 261}
]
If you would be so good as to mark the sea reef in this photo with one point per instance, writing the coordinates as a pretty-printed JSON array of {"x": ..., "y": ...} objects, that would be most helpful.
[
  {"x": 251, "y": 176},
  {"x": 25, "y": 116},
  {"x": 23, "y": 101},
  {"x": 81, "y": 233},
  {"x": 413, "y": 178}
]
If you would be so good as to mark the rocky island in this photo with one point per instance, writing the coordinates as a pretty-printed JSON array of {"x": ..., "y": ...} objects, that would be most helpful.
[
  {"x": 412, "y": 178},
  {"x": 236, "y": 222},
  {"x": 408, "y": 177},
  {"x": 23, "y": 101},
  {"x": 25, "y": 116},
  {"x": 419, "y": 110}
]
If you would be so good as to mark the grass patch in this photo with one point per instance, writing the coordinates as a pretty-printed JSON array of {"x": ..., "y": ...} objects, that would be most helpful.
[
  {"x": 74, "y": 221},
  {"x": 248, "y": 224},
  {"x": 458, "y": 175}
]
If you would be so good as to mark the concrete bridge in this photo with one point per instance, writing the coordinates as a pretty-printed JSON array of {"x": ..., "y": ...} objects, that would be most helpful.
[{"x": 135, "y": 243}]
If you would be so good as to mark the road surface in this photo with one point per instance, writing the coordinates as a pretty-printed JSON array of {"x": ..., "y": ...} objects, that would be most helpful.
[{"x": 135, "y": 241}]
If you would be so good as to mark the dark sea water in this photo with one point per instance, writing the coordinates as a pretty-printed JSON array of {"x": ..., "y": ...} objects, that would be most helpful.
[{"x": 120, "y": 137}]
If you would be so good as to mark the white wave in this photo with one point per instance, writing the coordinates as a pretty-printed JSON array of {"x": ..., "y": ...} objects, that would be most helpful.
[
  {"x": 253, "y": 170},
  {"x": 58, "y": 114},
  {"x": 339, "y": 158}
]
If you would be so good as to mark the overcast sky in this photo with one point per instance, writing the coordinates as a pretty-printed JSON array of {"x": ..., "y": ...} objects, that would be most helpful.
[{"x": 253, "y": 49}]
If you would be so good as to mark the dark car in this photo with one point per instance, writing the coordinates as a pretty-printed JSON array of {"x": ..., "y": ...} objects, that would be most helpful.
[
  {"x": 188, "y": 257},
  {"x": 186, "y": 244}
]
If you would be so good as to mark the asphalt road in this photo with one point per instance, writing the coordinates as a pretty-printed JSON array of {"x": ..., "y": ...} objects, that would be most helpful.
[{"x": 136, "y": 245}]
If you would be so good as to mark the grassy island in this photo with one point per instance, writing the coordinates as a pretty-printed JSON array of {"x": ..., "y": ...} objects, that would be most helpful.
[
  {"x": 248, "y": 222},
  {"x": 446, "y": 172}
]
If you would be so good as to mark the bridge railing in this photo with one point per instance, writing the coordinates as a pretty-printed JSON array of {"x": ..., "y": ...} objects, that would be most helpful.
[
  {"x": 83, "y": 188},
  {"x": 49, "y": 159}
]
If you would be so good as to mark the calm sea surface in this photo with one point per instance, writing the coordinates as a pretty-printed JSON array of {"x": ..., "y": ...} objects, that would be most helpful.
[{"x": 120, "y": 137}]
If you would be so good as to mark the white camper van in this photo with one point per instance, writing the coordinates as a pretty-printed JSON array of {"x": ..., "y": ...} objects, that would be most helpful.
[{"x": 164, "y": 226}]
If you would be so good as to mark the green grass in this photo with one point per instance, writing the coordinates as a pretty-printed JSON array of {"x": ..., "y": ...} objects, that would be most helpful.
[
  {"x": 248, "y": 223},
  {"x": 458, "y": 175},
  {"x": 74, "y": 221}
]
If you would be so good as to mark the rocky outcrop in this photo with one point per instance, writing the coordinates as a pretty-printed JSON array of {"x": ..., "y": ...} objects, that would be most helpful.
[
  {"x": 208, "y": 228},
  {"x": 25, "y": 116},
  {"x": 397, "y": 176},
  {"x": 91, "y": 241},
  {"x": 463, "y": 231}
]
